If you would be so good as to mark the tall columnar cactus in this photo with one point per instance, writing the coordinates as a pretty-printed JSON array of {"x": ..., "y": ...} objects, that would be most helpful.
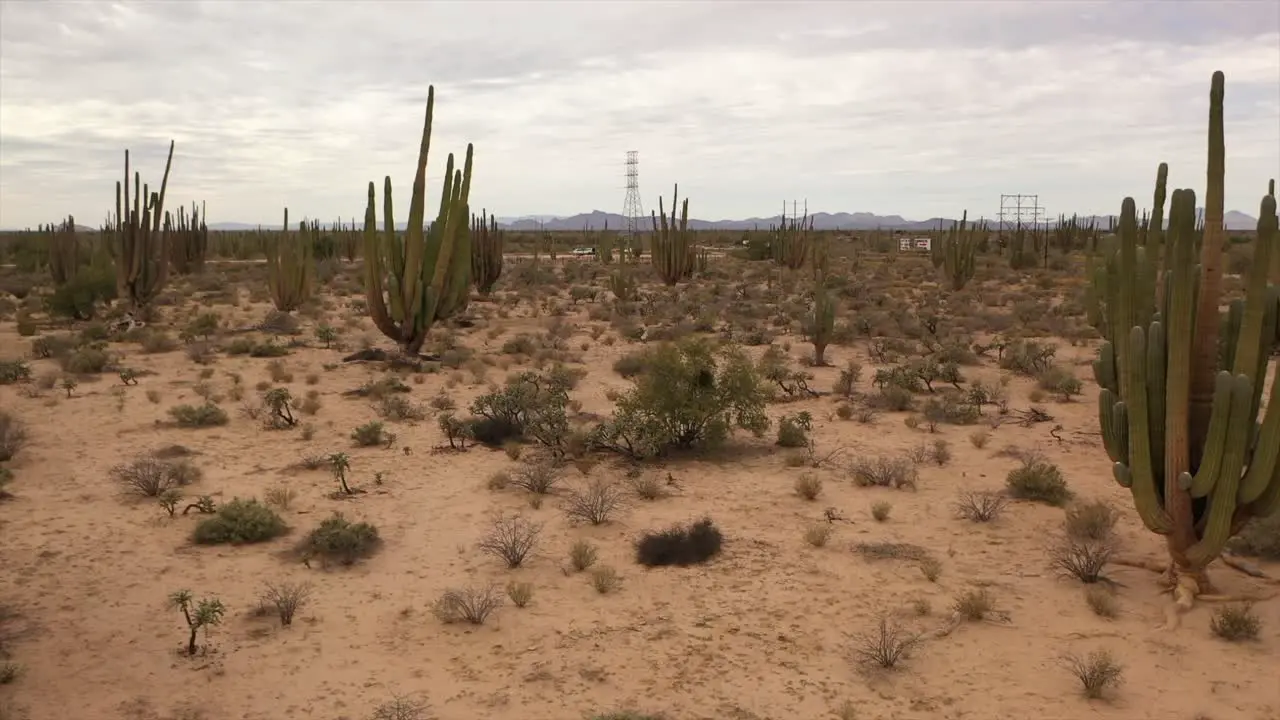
[
  {"x": 291, "y": 264},
  {"x": 141, "y": 246},
  {"x": 822, "y": 323},
  {"x": 672, "y": 253},
  {"x": 604, "y": 245},
  {"x": 64, "y": 251},
  {"x": 486, "y": 252},
  {"x": 1179, "y": 416},
  {"x": 1022, "y": 253},
  {"x": 793, "y": 240},
  {"x": 960, "y": 253},
  {"x": 188, "y": 240},
  {"x": 424, "y": 276}
]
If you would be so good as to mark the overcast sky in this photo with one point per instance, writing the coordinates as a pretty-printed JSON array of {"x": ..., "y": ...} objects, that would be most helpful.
[{"x": 912, "y": 108}]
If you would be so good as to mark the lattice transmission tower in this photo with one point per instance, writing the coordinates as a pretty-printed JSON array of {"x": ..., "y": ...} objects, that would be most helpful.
[
  {"x": 632, "y": 208},
  {"x": 1016, "y": 212}
]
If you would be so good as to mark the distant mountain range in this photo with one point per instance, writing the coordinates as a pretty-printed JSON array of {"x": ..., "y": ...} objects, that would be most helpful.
[{"x": 598, "y": 220}]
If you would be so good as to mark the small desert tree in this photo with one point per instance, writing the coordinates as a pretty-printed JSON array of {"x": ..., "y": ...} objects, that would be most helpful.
[{"x": 691, "y": 394}]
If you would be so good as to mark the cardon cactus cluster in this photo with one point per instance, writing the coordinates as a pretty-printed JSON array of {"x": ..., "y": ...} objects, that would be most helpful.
[
  {"x": 291, "y": 264},
  {"x": 960, "y": 253},
  {"x": 140, "y": 246},
  {"x": 793, "y": 240},
  {"x": 822, "y": 323},
  {"x": 486, "y": 252},
  {"x": 411, "y": 281},
  {"x": 64, "y": 251},
  {"x": 188, "y": 240},
  {"x": 672, "y": 251},
  {"x": 1180, "y": 414}
]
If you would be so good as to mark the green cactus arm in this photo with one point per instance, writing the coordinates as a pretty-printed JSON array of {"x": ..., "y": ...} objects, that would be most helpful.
[
  {"x": 1222, "y": 503},
  {"x": 374, "y": 270},
  {"x": 1265, "y": 462},
  {"x": 1114, "y": 422},
  {"x": 1157, "y": 353},
  {"x": 1216, "y": 439},
  {"x": 1143, "y": 487}
]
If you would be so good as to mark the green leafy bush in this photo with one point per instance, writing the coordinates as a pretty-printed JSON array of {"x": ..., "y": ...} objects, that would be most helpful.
[
  {"x": 691, "y": 395},
  {"x": 240, "y": 522}
]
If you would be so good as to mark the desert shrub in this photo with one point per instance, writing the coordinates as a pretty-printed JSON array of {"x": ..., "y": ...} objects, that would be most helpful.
[
  {"x": 151, "y": 477},
  {"x": 980, "y": 507},
  {"x": 897, "y": 473},
  {"x": 582, "y": 555},
  {"x": 1236, "y": 623},
  {"x": 808, "y": 486},
  {"x": 1027, "y": 357},
  {"x": 78, "y": 299},
  {"x": 1093, "y": 520},
  {"x": 951, "y": 408},
  {"x": 893, "y": 399},
  {"x": 1101, "y": 599},
  {"x": 402, "y": 708},
  {"x": 13, "y": 436},
  {"x": 596, "y": 503},
  {"x": 337, "y": 539},
  {"x": 1061, "y": 382},
  {"x": 793, "y": 430},
  {"x": 286, "y": 599},
  {"x": 680, "y": 545},
  {"x": 818, "y": 534},
  {"x": 531, "y": 405},
  {"x": 1097, "y": 672},
  {"x": 511, "y": 539},
  {"x": 1260, "y": 537},
  {"x": 1038, "y": 480},
  {"x": 1083, "y": 559},
  {"x": 536, "y": 476},
  {"x": 369, "y": 434},
  {"x": 604, "y": 579},
  {"x": 239, "y": 522},
  {"x": 204, "y": 415},
  {"x": 880, "y": 511},
  {"x": 886, "y": 646},
  {"x": 86, "y": 360},
  {"x": 14, "y": 371},
  {"x": 473, "y": 605},
  {"x": 630, "y": 364},
  {"x": 974, "y": 604},
  {"x": 6, "y": 477},
  {"x": 692, "y": 395}
]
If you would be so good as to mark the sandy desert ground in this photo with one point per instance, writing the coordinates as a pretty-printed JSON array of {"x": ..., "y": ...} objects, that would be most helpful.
[{"x": 766, "y": 630}]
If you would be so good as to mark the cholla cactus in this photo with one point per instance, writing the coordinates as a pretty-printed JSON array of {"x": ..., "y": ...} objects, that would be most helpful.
[{"x": 1179, "y": 410}]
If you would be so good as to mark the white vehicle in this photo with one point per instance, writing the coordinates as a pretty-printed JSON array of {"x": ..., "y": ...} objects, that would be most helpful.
[{"x": 583, "y": 251}]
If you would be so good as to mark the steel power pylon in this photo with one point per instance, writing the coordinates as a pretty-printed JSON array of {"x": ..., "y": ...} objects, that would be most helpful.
[
  {"x": 1018, "y": 211},
  {"x": 632, "y": 207}
]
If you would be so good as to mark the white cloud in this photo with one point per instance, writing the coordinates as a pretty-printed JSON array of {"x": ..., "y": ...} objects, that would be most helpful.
[{"x": 907, "y": 108}]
